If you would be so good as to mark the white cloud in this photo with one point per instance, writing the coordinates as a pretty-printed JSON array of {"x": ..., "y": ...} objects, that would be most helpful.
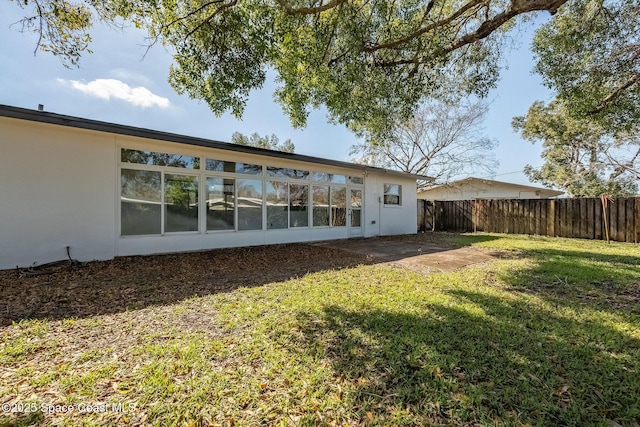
[{"x": 111, "y": 88}]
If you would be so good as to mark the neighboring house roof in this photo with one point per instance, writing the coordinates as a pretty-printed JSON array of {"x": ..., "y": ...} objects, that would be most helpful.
[
  {"x": 81, "y": 123},
  {"x": 480, "y": 183}
]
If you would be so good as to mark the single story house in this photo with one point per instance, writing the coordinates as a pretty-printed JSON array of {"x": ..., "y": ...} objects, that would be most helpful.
[
  {"x": 479, "y": 188},
  {"x": 104, "y": 190}
]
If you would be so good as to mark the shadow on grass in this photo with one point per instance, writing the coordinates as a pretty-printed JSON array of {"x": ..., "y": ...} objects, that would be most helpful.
[
  {"x": 466, "y": 239},
  {"x": 480, "y": 359},
  {"x": 23, "y": 420},
  {"x": 565, "y": 277},
  {"x": 129, "y": 283}
]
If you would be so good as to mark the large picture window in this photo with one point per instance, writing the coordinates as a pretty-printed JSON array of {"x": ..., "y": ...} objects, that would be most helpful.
[
  {"x": 249, "y": 204},
  {"x": 180, "y": 203},
  {"x": 140, "y": 202},
  {"x": 160, "y": 193},
  {"x": 221, "y": 203}
]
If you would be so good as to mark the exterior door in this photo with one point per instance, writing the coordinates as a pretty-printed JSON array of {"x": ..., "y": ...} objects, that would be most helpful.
[{"x": 355, "y": 212}]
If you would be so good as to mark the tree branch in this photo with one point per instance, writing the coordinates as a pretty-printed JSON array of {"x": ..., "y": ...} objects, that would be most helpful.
[
  {"x": 193, "y": 12},
  {"x": 35, "y": 51},
  {"x": 309, "y": 10},
  {"x": 635, "y": 78},
  {"x": 210, "y": 17},
  {"x": 516, "y": 7},
  {"x": 423, "y": 29}
]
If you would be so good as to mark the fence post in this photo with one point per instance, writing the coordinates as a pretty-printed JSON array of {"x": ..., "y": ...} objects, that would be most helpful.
[
  {"x": 551, "y": 219},
  {"x": 637, "y": 220},
  {"x": 473, "y": 216}
]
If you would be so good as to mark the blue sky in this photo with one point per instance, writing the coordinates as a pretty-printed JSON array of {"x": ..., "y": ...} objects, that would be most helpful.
[{"x": 118, "y": 83}]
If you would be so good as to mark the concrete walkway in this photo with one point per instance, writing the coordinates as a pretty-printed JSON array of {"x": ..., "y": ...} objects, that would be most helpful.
[{"x": 423, "y": 257}]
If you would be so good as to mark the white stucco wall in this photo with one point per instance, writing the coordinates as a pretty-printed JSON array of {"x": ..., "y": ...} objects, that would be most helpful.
[
  {"x": 390, "y": 220},
  {"x": 60, "y": 186},
  {"x": 57, "y": 189}
]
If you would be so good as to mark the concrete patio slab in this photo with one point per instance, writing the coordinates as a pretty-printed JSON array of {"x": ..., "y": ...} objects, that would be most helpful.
[{"x": 423, "y": 257}]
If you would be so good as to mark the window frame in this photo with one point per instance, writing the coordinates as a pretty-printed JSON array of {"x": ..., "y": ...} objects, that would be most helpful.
[
  {"x": 385, "y": 193},
  {"x": 160, "y": 202},
  {"x": 335, "y": 181},
  {"x": 263, "y": 205},
  {"x": 205, "y": 190},
  {"x": 198, "y": 229},
  {"x": 270, "y": 182}
]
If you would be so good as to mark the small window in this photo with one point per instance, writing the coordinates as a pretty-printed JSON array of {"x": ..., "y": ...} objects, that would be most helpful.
[
  {"x": 248, "y": 169},
  {"x": 287, "y": 172},
  {"x": 356, "y": 180},
  {"x": 159, "y": 159},
  {"x": 220, "y": 166},
  {"x": 329, "y": 177},
  {"x": 392, "y": 194}
]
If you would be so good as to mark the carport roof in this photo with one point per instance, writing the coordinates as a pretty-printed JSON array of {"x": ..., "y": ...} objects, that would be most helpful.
[{"x": 82, "y": 123}]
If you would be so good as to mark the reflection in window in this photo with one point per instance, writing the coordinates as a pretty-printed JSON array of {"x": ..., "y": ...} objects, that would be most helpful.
[
  {"x": 180, "y": 203},
  {"x": 338, "y": 206},
  {"x": 320, "y": 205},
  {"x": 277, "y": 204},
  {"x": 356, "y": 208},
  {"x": 248, "y": 169},
  {"x": 392, "y": 193},
  {"x": 159, "y": 159},
  {"x": 249, "y": 204},
  {"x": 287, "y": 172},
  {"x": 356, "y": 180},
  {"x": 220, "y": 166},
  {"x": 221, "y": 203},
  {"x": 329, "y": 177},
  {"x": 140, "y": 198},
  {"x": 298, "y": 205}
]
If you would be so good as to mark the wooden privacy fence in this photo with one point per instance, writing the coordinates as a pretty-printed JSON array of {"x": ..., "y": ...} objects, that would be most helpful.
[{"x": 578, "y": 218}]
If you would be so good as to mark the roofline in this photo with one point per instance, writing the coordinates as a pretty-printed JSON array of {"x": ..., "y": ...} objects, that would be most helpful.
[
  {"x": 96, "y": 125},
  {"x": 529, "y": 187}
]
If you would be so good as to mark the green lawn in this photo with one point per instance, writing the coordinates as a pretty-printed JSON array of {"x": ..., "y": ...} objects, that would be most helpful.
[{"x": 549, "y": 334}]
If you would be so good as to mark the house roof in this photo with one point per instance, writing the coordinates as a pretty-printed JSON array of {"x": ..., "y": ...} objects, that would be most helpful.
[
  {"x": 471, "y": 181},
  {"x": 82, "y": 123}
]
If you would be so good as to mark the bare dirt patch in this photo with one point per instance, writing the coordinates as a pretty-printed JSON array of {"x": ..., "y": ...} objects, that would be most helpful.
[
  {"x": 129, "y": 283},
  {"x": 422, "y": 253}
]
